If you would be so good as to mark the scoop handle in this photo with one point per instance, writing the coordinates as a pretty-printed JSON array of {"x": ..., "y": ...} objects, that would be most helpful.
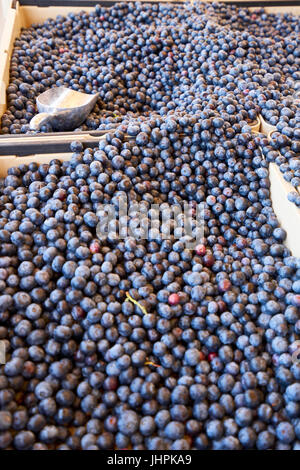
[{"x": 40, "y": 120}]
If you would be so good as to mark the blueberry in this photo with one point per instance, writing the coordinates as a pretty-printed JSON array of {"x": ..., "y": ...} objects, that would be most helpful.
[
  {"x": 174, "y": 430},
  {"x": 5, "y": 420},
  {"x": 214, "y": 429},
  {"x": 43, "y": 390},
  {"x": 293, "y": 392},
  {"x": 147, "y": 426},
  {"x": 5, "y": 439},
  {"x": 247, "y": 437},
  {"x": 265, "y": 440},
  {"x": 285, "y": 432},
  {"x": 128, "y": 422},
  {"x": 24, "y": 440},
  {"x": 6, "y": 302},
  {"x": 192, "y": 356},
  {"x": 13, "y": 367}
]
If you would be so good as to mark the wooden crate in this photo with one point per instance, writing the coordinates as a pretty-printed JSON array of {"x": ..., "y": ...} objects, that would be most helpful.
[
  {"x": 5, "y": 6},
  {"x": 288, "y": 213},
  {"x": 17, "y": 17}
]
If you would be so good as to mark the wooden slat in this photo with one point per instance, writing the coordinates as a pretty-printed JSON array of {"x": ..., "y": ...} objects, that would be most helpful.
[
  {"x": 9, "y": 33},
  {"x": 23, "y": 145},
  {"x": 287, "y": 212},
  {"x": 13, "y": 160}
]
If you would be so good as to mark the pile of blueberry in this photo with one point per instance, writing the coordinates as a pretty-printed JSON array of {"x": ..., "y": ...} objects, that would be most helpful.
[
  {"x": 161, "y": 59},
  {"x": 145, "y": 58},
  {"x": 206, "y": 353},
  {"x": 143, "y": 343}
]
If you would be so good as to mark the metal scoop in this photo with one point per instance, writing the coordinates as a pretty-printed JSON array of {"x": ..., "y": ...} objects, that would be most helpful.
[{"x": 63, "y": 108}]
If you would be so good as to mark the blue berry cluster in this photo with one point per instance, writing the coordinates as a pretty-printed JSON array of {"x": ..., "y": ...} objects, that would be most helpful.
[
  {"x": 206, "y": 355},
  {"x": 211, "y": 361},
  {"x": 284, "y": 150},
  {"x": 161, "y": 58}
]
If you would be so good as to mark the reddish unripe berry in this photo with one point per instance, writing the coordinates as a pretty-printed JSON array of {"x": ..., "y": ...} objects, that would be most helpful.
[
  {"x": 95, "y": 247},
  {"x": 147, "y": 185},
  {"x": 208, "y": 260},
  {"x": 28, "y": 369},
  {"x": 61, "y": 194},
  {"x": 200, "y": 250},
  {"x": 174, "y": 299},
  {"x": 211, "y": 356},
  {"x": 79, "y": 357},
  {"x": 224, "y": 285},
  {"x": 110, "y": 384},
  {"x": 77, "y": 313},
  {"x": 222, "y": 306},
  {"x": 201, "y": 356},
  {"x": 188, "y": 439},
  {"x": 19, "y": 397}
]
